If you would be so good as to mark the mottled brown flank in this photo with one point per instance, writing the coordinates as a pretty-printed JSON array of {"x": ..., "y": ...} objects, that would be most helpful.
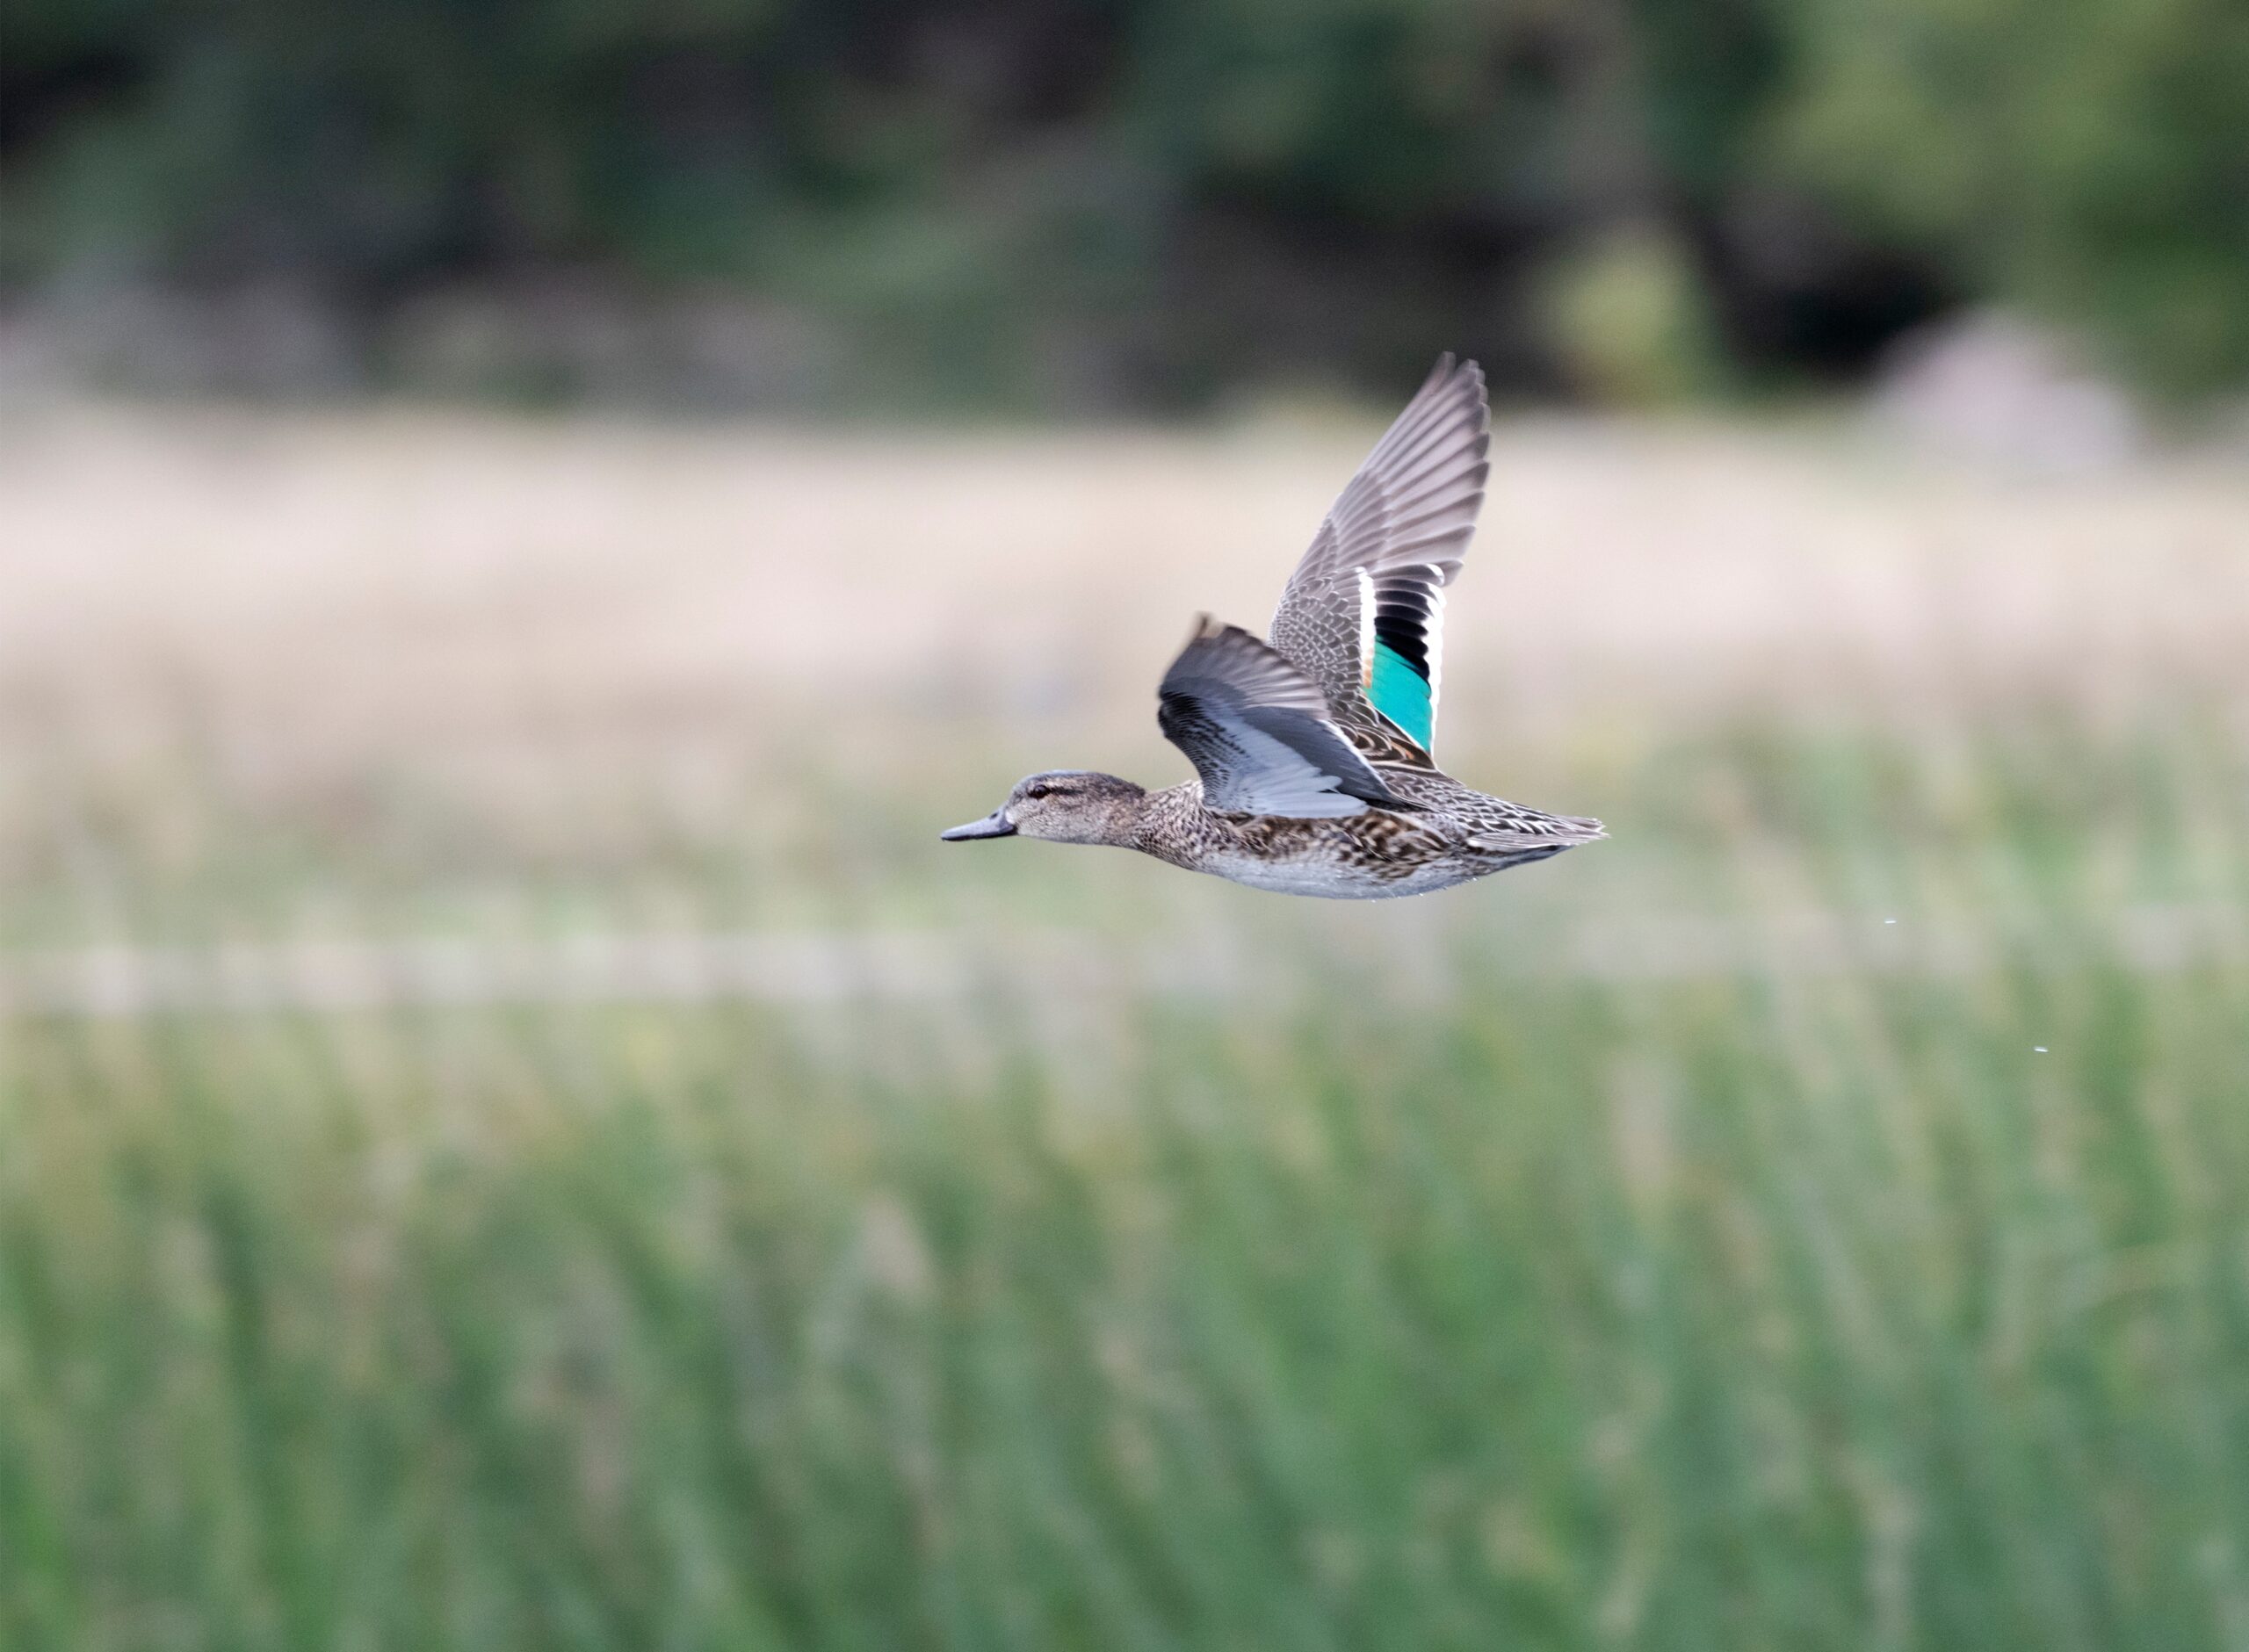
[{"x": 1452, "y": 834}]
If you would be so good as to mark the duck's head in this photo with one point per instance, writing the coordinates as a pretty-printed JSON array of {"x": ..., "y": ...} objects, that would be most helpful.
[{"x": 1063, "y": 805}]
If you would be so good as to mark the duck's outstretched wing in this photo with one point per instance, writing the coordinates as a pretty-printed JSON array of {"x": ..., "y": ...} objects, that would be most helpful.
[
  {"x": 1362, "y": 614},
  {"x": 1258, "y": 731}
]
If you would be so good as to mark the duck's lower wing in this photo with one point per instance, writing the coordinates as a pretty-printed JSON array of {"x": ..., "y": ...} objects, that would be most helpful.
[{"x": 1258, "y": 733}]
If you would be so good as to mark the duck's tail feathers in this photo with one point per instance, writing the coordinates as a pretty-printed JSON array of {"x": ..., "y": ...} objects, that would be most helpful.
[{"x": 1546, "y": 835}]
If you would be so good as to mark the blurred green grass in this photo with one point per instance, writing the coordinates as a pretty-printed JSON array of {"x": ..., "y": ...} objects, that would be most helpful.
[{"x": 1442, "y": 1280}]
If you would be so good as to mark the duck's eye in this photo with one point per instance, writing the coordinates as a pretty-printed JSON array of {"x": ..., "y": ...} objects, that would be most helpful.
[{"x": 1037, "y": 792}]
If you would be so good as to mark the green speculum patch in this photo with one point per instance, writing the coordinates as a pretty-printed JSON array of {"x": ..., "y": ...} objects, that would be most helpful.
[{"x": 1402, "y": 695}]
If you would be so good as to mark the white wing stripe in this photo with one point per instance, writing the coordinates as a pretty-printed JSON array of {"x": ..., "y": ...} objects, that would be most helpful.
[{"x": 1366, "y": 625}]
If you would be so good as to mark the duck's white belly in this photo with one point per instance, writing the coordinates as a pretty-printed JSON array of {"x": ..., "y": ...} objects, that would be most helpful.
[{"x": 1330, "y": 880}]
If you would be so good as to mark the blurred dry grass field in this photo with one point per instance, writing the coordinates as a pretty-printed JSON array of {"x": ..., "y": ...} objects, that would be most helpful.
[{"x": 327, "y": 593}]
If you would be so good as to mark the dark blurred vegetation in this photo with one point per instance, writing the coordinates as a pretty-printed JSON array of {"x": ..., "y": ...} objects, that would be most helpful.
[{"x": 1139, "y": 202}]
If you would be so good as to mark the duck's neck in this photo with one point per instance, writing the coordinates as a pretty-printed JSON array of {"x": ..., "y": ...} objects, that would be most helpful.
[
  {"x": 1126, "y": 823},
  {"x": 1152, "y": 822}
]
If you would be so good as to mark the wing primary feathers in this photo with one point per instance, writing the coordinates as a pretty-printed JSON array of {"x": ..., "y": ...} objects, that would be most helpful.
[{"x": 1395, "y": 535}]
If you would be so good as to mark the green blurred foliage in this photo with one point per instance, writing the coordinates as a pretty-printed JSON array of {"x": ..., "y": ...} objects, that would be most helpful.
[
  {"x": 2090, "y": 160},
  {"x": 1895, "y": 1299},
  {"x": 1628, "y": 318},
  {"x": 1173, "y": 195}
]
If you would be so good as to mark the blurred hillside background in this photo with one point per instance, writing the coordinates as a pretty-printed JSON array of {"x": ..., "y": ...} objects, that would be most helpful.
[
  {"x": 1113, "y": 204},
  {"x": 519, "y": 523}
]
